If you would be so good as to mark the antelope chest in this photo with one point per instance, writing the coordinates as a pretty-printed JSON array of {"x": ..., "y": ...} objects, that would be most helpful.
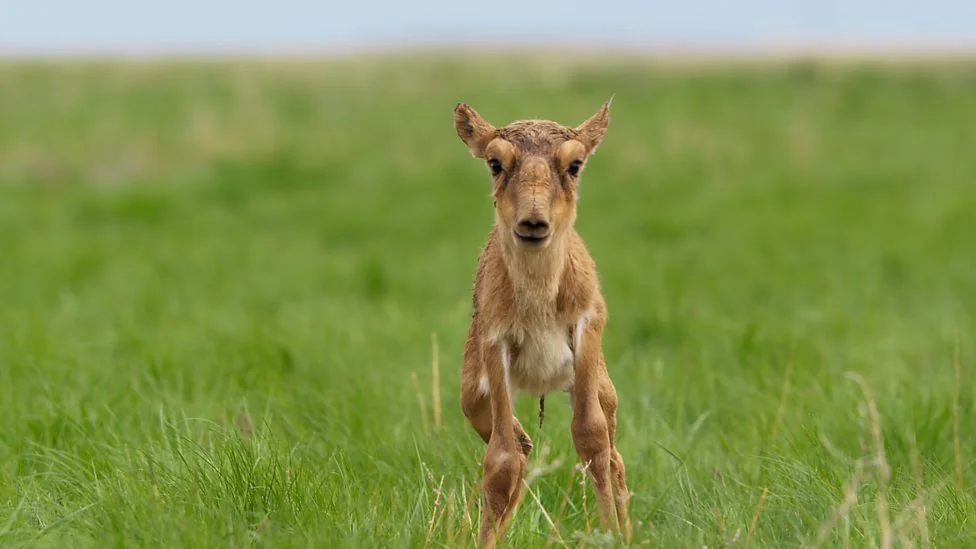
[{"x": 542, "y": 360}]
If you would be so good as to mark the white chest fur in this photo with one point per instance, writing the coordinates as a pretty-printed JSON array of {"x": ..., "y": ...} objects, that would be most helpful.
[
  {"x": 544, "y": 354},
  {"x": 544, "y": 360}
]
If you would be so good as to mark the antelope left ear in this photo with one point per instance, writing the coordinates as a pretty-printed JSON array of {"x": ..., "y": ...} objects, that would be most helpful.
[
  {"x": 591, "y": 132},
  {"x": 475, "y": 131}
]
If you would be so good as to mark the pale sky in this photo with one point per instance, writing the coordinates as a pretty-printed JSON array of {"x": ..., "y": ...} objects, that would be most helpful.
[{"x": 127, "y": 26}]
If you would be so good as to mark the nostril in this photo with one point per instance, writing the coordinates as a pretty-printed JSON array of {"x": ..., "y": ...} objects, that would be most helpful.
[{"x": 534, "y": 224}]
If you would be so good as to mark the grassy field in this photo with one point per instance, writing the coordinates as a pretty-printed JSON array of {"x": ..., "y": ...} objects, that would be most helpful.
[{"x": 233, "y": 298}]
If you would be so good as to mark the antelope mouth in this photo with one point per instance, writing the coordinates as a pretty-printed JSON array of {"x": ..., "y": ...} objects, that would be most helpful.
[{"x": 532, "y": 240}]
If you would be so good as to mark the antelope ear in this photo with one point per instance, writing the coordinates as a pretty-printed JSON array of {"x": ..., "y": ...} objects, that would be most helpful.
[
  {"x": 474, "y": 130},
  {"x": 591, "y": 132}
]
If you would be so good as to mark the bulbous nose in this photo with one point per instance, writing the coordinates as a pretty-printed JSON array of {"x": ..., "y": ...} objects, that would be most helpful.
[{"x": 532, "y": 228}]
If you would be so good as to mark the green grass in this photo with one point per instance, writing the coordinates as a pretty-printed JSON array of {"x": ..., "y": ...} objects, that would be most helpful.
[{"x": 223, "y": 287}]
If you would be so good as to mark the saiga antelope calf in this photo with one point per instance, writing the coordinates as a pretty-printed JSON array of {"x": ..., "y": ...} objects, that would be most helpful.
[{"x": 538, "y": 313}]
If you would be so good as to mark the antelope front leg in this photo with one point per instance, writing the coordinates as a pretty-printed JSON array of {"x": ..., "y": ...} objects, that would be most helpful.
[
  {"x": 618, "y": 476},
  {"x": 508, "y": 450},
  {"x": 593, "y": 428}
]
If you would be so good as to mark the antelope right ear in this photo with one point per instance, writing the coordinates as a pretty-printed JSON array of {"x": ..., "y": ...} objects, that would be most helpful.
[
  {"x": 591, "y": 131},
  {"x": 474, "y": 130}
]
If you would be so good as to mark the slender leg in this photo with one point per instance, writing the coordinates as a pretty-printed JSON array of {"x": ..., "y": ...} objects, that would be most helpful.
[
  {"x": 593, "y": 429},
  {"x": 618, "y": 476},
  {"x": 476, "y": 402},
  {"x": 477, "y": 409},
  {"x": 508, "y": 444},
  {"x": 476, "y": 405}
]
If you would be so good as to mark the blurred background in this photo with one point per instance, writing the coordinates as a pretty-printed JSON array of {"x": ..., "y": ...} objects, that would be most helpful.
[
  {"x": 306, "y": 27},
  {"x": 237, "y": 242}
]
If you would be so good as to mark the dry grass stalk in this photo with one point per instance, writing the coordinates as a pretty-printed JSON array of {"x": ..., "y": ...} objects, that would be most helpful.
[
  {"x": 434, "y": 512},
  {"x": 436, "y": 382},
  {"x": 755, "y": 516},
  {"x": 921, "y": 512},
  {"x": 883, "y": 471},
  {"x": 583, "y": 471},
  {"x": 784, "y": 393},
  {"x": 420, "y": 402},
  {"x": 846, "y": 504},
  {"x": 562, "y": 505},
  {"x": 545, "y": 514}
]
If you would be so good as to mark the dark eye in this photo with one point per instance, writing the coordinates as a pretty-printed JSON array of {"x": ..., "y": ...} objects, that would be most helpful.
[
  {"x": 574, "y": 168},
  {"x": 495, "y": 166}
]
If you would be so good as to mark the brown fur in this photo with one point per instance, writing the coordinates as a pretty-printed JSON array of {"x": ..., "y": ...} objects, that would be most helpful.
[{"x": 538, "y": 313}]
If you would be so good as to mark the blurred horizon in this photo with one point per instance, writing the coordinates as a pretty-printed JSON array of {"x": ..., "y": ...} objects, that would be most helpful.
[{"x": 220, "y": 27}]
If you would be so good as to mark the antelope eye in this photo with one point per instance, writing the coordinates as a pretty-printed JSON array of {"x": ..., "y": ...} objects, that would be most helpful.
[
  {"x": 495, "y": 166},
  {"x": 574, "y": 168}
]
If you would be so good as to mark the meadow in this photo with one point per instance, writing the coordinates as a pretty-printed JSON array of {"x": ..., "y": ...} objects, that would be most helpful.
[{"x": 233, "y": 297}]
